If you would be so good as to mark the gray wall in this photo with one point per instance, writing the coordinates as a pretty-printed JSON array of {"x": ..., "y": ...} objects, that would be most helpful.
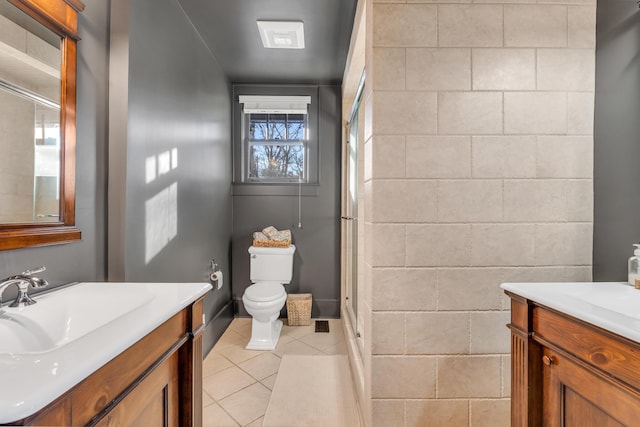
[
  {"x": 84, "y": 260},
  {"x": 317, "y": 260},
  {"x": 177, "y": 102},
  {"x": 617, "y": 138}
]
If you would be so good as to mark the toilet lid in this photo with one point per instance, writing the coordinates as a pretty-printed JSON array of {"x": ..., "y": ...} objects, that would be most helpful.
[{"x": 264, "y": 291}]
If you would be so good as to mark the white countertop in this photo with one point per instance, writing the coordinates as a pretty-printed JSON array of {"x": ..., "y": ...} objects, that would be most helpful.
[
  {"x": 31, "y": 380},
  {"x": 613, "y": 306}
]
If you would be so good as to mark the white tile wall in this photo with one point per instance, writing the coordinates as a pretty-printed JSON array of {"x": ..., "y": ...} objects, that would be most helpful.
[
  {"x": 404, "y": 201},
  {"x": 437, "y": 333},
  {"x": 438, "y": 69},
  {"x": 540, "y": 25},
  {"x": 443, "y": 413},
  {"x": 395, "y": 377},
  {"x": 470, "y": 25},
  {"x": 504, "y": 69},
  {"x": 469, "y": 113},
  {"x": 503, "y": 244},
  {"x": 405, "y": 25},
  {"x": 469, "y": 377},
  {"x": 16, "y": 162},
  {"x": 388, "y": 156},
  {"x": 580, "y": 113},
  {"x": 397, "y": 113},
  {"x": 389, "y": 68},
  {"x": 404, "y": 289},
  {"x": 479, "y": 171},
  {"x": 582, "y": 24},
  {"x": 432, "y": 245},
  {"x": 535, "y": 113},
  {"x": 389, "y": 336},
  {"x": 470, "y": 201},
  {"x": 565, "y": 156},
  {"x": 504, "y": 156},
  {"x": 438, "y": 156},
  {"x": 566, "y": 69}
]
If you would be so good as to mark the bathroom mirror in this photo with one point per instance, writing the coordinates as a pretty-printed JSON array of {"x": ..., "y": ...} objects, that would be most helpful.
[{"x": 37, "y": 122}]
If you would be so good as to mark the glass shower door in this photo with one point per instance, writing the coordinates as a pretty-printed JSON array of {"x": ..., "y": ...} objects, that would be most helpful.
[
  {"x": 350, "y": 214},
  {"x": 351, "y": 223}
]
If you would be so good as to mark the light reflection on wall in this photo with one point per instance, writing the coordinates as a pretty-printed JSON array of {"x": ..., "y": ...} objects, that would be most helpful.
[
  {"x": 158, "y": 165},
  {"x": 161, "y": 211},
  {"x": 161, "y": 221},
  {"x": 150, "y": 169}
]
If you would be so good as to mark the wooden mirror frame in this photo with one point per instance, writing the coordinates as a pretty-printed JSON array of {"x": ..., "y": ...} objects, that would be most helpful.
[{"x": 61, "y": 17}]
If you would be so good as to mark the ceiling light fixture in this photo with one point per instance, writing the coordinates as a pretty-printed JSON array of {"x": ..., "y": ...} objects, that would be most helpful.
[{"x": 282, "y": 34}]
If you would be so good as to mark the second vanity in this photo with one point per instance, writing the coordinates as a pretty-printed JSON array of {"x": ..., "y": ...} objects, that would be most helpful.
[
  {"x": 104, "y": 354},
  {"x": 575, "y": 354}
]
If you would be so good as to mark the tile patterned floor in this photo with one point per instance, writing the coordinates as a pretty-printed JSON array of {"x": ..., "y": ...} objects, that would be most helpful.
[{"x": 237, "y": 382}]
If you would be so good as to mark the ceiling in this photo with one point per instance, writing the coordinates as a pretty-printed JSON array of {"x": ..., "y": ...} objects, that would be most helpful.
[{"x": 229, "y": 28}]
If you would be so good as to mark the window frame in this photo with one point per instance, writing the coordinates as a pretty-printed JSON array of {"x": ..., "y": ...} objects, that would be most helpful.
[{"x": 241, "y": 182}]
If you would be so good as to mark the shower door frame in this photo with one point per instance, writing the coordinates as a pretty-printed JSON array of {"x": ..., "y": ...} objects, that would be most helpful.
[{"x": 350, "y": 211}]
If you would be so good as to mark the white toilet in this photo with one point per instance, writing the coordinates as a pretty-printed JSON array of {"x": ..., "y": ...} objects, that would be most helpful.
[{"x": 271, "y": 268}]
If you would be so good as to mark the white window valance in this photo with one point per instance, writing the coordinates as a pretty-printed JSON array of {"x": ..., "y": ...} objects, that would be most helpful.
[{"x": 261, "y": 104}]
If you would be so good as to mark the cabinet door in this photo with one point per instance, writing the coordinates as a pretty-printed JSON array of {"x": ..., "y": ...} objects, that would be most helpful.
[
  {"x": 575, "y": 396},
  {"x": 153, "y": 403}
]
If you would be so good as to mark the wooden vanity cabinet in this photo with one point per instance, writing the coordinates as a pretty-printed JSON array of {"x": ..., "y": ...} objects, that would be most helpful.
[
  {"x": 155, "y": 382},
  {"x": 568, "y": 373}
]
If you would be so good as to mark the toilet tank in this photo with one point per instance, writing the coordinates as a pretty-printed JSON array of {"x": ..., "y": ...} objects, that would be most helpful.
[{"x": 271, "y": 264}]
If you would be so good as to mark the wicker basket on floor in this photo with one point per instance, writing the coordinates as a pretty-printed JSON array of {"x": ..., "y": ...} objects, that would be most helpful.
[{"x": 299, "y": 309}]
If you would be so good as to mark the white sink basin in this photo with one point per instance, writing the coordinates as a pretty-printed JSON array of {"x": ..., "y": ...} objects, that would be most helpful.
[
  {"x": 618, "y": 298},
  {"x": 49, "y": 347},
  {"x": 612, "y": 306},
  {"x": 63, "y": 316}
]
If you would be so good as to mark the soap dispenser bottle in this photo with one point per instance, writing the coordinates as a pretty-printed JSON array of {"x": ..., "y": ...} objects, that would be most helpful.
[{"x": 634, "y": 266}]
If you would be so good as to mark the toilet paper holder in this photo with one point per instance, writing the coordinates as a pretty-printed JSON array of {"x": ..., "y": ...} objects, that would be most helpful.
[{"x": 215, "y": 274}]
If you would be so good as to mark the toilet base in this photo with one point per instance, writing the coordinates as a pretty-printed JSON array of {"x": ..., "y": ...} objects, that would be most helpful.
[{"x": 264, "y": 335}]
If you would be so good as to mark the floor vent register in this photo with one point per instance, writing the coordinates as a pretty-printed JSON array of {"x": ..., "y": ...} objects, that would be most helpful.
[{"x": 322, "y": 326}]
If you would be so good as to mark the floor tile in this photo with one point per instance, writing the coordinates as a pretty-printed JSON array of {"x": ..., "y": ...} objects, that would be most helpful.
[
  {"x": 322, "y": 341},
  {"x": 206, "y": 399},
  {"x": 335, "y": 325},
  {"x": 295, "y": 347},
  {"x": 298, "y": 331},
  {"x": 215, "y": 416},
  {"x": 242, "y": 326},
  {"x": 340, "y": 348},
  {"x": 224, "y": 383},
  {"x": 230, "y": 337},
  {"x": 248, "y": 404},
  {"x": 215, "y": 362},
  {"x": 238, "y": 354},
  {"x": 262, "y": 366},
  {"x": 269, "y": 381},
  {"x": 256, "y": 423},
  {"x": 285, "y": 339}
]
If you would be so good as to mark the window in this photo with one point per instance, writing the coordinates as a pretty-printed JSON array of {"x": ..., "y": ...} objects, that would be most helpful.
[
  {"x": 275, "y": 136},
  {"x": 276, "y": 147}
]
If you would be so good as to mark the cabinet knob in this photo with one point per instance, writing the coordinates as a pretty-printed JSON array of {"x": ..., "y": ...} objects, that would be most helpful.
[{"x": 548, "y": 360}]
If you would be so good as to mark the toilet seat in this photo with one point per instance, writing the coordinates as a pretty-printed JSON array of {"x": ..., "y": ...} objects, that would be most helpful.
[{"x": 264, "y": 291}]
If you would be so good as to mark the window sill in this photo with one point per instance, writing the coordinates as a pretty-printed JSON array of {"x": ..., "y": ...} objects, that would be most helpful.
[{"x": 280, "y": 189}]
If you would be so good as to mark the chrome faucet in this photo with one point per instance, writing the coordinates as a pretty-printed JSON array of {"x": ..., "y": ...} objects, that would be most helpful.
[{"x": 23, "y": 281}]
